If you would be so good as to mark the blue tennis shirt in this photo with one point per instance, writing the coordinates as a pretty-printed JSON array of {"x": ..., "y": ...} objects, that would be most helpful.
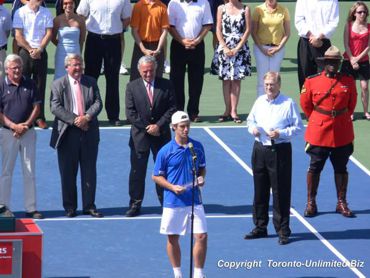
[{"x": 174, "y": 162}]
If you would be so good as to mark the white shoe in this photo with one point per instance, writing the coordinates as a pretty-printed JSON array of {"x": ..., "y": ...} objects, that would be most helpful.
[
  {"x": 167, "y": 68},
  {"x": 123, "y": 70}
]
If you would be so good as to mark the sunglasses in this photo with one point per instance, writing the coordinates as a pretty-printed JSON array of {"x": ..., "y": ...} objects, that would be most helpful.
[{"x": 361, "y": 12}]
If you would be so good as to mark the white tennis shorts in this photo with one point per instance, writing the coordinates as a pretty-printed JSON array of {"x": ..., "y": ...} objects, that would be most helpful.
[{"x": 177, "y": 221}]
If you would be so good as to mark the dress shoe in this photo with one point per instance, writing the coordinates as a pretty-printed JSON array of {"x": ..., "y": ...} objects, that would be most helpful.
[
  {"x": 71, "y": 213},
  {"x": 34, "y": 214},
  {"x": 283, "y": 240},
  {"x": 41, "y": 124},
  {"x": 195, "y": 119},
  {"x": 93, "y": 213},
  {"x": 115, "y": 122},
  {"x": 133, "y": 211},
  {"x": 256, "y": 234}
]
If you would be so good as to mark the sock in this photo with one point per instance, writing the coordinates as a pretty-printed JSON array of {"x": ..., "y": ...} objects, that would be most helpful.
[
  {"x": 198, "y": 273},
  {"x": 177, "y": 272}
]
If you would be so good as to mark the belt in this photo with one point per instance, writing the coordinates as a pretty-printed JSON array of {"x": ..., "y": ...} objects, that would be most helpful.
[
  {"x": 5, "y": 46},
  {"x": 333, "y": 113},
  {"x": 105, "y": 37},
  {"x": 270, "y": 44}
]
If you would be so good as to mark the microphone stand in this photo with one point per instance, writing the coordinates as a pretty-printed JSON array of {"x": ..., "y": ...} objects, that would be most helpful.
[{"x": 194, "y": 159}]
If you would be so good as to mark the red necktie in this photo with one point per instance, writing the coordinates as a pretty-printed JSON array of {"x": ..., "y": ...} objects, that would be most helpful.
[
  {"x": 150, "y": 94},
  {"x": 79, "y": 98}
]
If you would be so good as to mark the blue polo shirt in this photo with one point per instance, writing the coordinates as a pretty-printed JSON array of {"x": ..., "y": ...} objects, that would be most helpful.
[
  {"x": 16, "y": 102},
  {"x": 174, "y": 162}
]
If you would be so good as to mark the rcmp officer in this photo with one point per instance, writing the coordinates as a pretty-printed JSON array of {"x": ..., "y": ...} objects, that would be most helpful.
[{"x": 328, "y": 99}]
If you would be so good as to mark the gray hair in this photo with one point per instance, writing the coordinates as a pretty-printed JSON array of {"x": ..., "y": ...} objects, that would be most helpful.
[
  {"x": 72, "y": 56},
  {"x": 274, "y": 75},
  {"x": 13, "y": 58},
  {"x": 146, "y": 60}
]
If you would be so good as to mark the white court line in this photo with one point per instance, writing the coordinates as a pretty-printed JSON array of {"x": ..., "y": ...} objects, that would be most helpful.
[{"x": 292, "y": 210}]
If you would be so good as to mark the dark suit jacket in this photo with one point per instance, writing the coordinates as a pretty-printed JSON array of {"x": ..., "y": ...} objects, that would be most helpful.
[
  {"x": 62, "y": 107},
  {"x": 140, "y": 114}
]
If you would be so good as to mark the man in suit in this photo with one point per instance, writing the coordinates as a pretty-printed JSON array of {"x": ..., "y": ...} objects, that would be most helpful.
[
  {"x": 150, "y": 102},
  {"x": 75, "y": 101}
]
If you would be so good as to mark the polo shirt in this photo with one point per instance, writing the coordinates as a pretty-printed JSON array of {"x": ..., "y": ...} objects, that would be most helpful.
[
  {"x": 17, "y": 102},
  {"x": 189, "y": 18},
  {"x": 174, "y": 163},
  {"x": 33, "y": 24},
  {"x": 104, "y": 17},
  {"x": 270, "y": 24},
  {"x": 150, "y": 19},
  {"x": 5, "y": 25}
]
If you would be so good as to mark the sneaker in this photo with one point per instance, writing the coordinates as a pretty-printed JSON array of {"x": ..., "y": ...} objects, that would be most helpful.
[
  {"x": 167, "y": 67},
  {"x": 34, "y": 214},
  {"x": 123, "y": 69}
]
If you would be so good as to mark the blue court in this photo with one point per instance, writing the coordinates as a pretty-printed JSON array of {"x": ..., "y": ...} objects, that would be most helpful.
[{"x": 328, "y": 245}]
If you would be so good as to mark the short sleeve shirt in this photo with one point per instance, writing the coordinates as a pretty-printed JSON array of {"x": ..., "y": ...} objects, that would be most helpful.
[
  {"x": 105, "y": 17},
  {"x": 5, "y": 25},
  {"x": 33, "y": 24},
  {"x": 189, "y": 18},
  {"x": 174, "y": 163},
  {"x": 270, "y": 24},
  {"x": 16, "y": 102},
  {"x": 149, "y": 19}
]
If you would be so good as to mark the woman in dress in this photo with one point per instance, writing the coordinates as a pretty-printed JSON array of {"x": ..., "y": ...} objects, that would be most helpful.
[
  {"x": 69, "y": 32},
  {"x": 270, "y": 32},
  {"x": 232, "y": 60},
  {"x": 357, "y": 45}
]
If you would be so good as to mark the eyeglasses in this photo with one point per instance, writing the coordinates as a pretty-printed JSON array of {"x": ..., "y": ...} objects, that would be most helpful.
[
  {"x": 361, "y": 12},
  {"x": 15, "y": 68}
]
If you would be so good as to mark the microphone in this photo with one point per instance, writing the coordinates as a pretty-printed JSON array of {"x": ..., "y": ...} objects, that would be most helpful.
[{"x": 191, "y": 148}]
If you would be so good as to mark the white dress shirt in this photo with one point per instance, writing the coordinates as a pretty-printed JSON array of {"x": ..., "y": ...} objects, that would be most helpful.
[
  {"x": 33, "y": 24},
  {"x": 105, "y": 17},
  {"x": 280, "y": 113},
  {"x": 189, "y": 18},
  {"x": 316, "y": 16},
  {"x": 5, "y": 25}
]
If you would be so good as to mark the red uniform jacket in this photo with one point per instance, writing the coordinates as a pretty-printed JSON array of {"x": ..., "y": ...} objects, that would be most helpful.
[{"x": 326, "y": 130}]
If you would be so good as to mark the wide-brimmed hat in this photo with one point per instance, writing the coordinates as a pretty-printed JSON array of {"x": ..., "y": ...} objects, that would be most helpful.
[
  {"x": 332, "y": 53},
  {"x": 179, "y": 117}
]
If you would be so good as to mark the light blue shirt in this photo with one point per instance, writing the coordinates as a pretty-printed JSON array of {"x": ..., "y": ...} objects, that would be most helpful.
[{"x": 280, "y": 113}]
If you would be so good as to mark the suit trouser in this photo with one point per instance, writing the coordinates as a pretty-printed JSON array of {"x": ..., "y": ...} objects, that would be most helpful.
[
  {"x": 139, "y": 164},
  {"x": 36, "y": 69},
  {"x": 137, "y": 54},
  {"x": 265, "y": 64},
  {"x": 78, "y": 149},
  {"x": 107, "y": 49},
  {"x": 307, "y": 58},
  {"x": 26, "y": 147},
  {"x": 272, "y": 168},
  {"x": 194, "y": 60}
]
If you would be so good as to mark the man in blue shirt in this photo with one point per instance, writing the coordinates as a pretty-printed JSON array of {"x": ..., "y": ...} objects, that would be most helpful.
[
  {"x": 173, "y": 171},
  {"x": 273, "y": 121}
]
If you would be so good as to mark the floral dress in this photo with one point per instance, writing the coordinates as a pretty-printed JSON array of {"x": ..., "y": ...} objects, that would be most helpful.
[{"x": 239, "y": 65}]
